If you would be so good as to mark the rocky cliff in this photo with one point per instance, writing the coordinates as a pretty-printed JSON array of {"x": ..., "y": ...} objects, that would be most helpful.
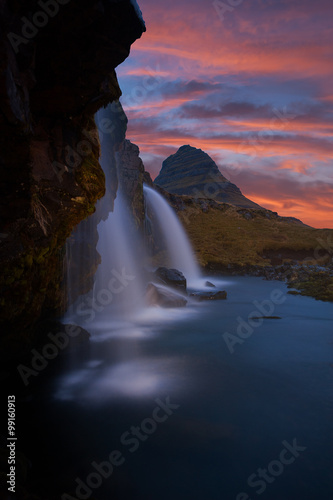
[
  {"x": 131, "y": 178},
  {"x": 192, "y": 172},
  {"x": 57, "y": 69}
]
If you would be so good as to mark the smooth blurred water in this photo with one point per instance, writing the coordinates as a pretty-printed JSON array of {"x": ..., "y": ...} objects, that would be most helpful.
[
  {"x": 118, "y": 283},
  {"x": 235, "y": 409},
  {"x": 179, "y": 251}
]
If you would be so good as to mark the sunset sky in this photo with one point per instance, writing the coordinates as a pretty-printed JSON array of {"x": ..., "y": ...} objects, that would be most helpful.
[{"x": 248, "y": 81}]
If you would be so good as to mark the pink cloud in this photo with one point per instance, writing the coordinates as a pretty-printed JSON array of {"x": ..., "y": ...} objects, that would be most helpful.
[{"x": 220, "y": 84}]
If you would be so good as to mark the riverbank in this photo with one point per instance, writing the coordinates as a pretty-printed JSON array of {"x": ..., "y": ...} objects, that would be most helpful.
[
  {"x": 307, "y": 280},
  {"x": 235, "y": 241}
]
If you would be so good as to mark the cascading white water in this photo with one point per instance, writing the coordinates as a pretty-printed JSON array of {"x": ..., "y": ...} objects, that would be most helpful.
[
  {"x": 118, "y": 278},
  {"x": 119, "y": 284},
  {"x": 180, "y": 252},
  {"x": 118, "y": 288},
  {"x": 119, "y": 245}
]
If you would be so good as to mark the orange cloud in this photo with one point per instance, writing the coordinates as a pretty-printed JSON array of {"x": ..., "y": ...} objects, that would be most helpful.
[
  {"x": 311, "y": 213},
  {"x": 255, "y": 146},
  {"x": 218, "y": 84}
]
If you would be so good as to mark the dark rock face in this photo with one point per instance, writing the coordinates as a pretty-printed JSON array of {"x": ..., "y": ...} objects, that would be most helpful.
[
  {"x": 192, "y": 172},
  {"x": 57, "y": 70},
  {"x": 171, "y": 277},
  {"x": 157, "y": 295},
  {"x": 131, "y": 178}
]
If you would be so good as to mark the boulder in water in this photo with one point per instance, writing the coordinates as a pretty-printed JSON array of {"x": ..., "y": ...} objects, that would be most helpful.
[
  {"x": 210, "y": 285},
  {"x": 221, "y": 295},
  {"x": 158, "y": 295},
  {"x": 172, "y": 278}
]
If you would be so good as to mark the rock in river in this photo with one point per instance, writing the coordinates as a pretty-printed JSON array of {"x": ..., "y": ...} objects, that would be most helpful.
[
  {"x": 221, "y": 295},
  {"x": 171, "y": 277},
  {"x": 158, "y": 295}
]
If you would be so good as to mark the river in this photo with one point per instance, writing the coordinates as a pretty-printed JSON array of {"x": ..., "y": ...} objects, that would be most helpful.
[{"x": 209, "y": 402}]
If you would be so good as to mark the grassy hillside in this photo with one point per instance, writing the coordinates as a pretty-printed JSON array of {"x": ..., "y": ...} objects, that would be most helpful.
[{"x": 223, "y": 235}]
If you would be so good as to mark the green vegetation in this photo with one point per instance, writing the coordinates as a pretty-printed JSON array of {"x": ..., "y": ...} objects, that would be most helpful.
[
  {"x": 319, "y": 286},
  {"x": 91, "y": 177},
  {"x": 225, "y": 235}
]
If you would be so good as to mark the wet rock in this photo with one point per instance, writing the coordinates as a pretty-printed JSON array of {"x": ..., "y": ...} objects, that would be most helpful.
[
  {"x": 211, "y": 285},
  {"x": 171, "y": 277},
  {"x": 158, "y": 295},
  {"x": 221, "y": 295},
  {"x": 131, "y": 174}
]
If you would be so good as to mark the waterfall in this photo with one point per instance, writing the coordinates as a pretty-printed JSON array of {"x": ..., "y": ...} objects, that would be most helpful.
[
  {"x": 179, "y": 250},
  {"x": 116, "y": 287},
  {"x": 118, "y": 279},
  {"x": 108, "y": 282}
]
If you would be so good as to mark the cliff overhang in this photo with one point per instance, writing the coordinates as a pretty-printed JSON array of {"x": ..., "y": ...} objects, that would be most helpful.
[{"x": 57, "y": 68}]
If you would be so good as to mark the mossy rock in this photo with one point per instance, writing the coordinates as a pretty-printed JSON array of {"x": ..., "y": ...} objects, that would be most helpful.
[
  {"x": 319, "y": 286},
  {"x": 92, "y": 179}
]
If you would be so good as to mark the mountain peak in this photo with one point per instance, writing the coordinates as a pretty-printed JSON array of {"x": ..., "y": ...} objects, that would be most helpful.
[
  {"x": 191, "y": 171},
  {"x": 187, "y": 147}
]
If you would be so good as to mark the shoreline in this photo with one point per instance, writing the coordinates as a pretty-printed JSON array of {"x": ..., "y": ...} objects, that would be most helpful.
[{"x": 304, "y": 279}]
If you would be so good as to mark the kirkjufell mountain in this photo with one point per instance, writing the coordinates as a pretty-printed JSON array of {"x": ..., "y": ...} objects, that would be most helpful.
[{"x": 192, "y": 172}]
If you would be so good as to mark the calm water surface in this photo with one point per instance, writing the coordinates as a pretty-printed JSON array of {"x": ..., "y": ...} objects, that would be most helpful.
[{"x": 230, "y": 414}]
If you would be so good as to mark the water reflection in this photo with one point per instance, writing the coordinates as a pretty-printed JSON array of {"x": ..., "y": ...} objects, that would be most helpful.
[{"x": 137, "y": 378}]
